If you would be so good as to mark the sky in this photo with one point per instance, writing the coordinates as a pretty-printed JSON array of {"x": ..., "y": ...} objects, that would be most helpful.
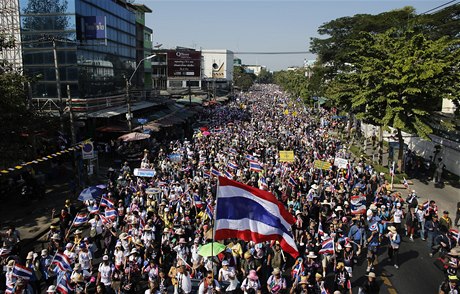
[{"x": 257, "y": 25}]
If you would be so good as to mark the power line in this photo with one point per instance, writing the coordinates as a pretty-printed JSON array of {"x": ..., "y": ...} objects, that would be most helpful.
[{"x": 442, "y": 5}]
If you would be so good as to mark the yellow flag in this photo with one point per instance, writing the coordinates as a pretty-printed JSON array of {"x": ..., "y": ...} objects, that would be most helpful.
[{"x": 286, "y": 112}]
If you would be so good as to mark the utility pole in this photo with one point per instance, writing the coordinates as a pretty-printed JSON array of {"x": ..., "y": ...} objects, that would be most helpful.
[
  {"x": 76, "y": 168},
  {"x": 58, "y": 86},
  {"x": 129, "y": 115},
  {"x": 189, "y": 93}
]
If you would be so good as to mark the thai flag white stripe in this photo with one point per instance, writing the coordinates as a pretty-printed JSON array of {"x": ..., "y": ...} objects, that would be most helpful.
[
  {"x": 255, "y": 226},
  {"x": 232, "y": 191}
]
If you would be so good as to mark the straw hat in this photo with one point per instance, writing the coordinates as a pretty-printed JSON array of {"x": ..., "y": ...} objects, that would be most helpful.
[
  {"x": 56, "y": 237},
  {"x": 303, "y": 280},
  {"x": 392, "y": 229},
  {"x": 133, "y": 251},
  {"x": 340, "y": 265},
  {"x": 78, "y": 231},
  {"x": 311, "y": 254},
  {"x": 371, "y": 274},
  {"x": 247, "y": 254},
  {"x": 314, "y": 187},
  {"x": 182, "y": 241},
  {"x": 123, "y": 236},
  {"x": 276, "y": 271}
]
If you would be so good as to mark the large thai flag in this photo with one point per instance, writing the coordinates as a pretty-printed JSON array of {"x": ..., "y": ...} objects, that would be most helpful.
[
  {"x": 22, "y": 272},
  {"x": 358, "y": 204},
  {"x": 105, "y": 202},
  {"x": 327, "y": 246},
  {"x": 63, "y": 262},
  {"x": 92, "y": 209},
  {"x": 80, "y": 219},
  {"x": 255, "y": 166},
  {"x": 206, "y": 175},
  {"x": 251, "y": 214}
]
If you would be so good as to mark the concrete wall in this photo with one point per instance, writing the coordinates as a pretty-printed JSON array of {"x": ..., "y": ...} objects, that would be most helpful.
[{"x": 450, "y": 151}]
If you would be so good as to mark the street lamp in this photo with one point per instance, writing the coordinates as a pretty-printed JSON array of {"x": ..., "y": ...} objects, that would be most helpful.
[{"x": 129, "y": 115}]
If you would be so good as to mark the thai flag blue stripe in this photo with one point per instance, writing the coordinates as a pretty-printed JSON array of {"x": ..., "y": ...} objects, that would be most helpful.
[{"x": 235, "y": 208}]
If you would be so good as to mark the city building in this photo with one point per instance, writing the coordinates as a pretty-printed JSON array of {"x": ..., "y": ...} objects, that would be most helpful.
[
  {"x": 9, "y": 25},
  {"x": 94, "y": 44},
  {"x": 255, "y": 69}
]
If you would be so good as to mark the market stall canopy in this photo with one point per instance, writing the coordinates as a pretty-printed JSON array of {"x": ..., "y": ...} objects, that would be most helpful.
[
  {"x": 134, "y": 137},
  {"x": 151, "y": 126}
]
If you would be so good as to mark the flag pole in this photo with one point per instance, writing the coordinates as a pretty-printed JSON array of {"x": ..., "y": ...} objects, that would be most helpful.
[
  {"x": 392, "y": 174},
  {"x": 70, "y": 228}
]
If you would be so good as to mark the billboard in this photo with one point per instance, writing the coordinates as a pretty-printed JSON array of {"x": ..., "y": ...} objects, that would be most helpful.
[
  {"x": 184, "y": 64},
  {"x": 94, "y": 27}
]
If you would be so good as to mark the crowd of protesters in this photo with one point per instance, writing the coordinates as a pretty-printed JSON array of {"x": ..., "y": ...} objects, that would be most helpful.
[{"x": 148, "y": 231}]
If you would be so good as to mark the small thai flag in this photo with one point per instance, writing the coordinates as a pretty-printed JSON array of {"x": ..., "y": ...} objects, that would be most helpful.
[
  {"x": 197, "y": 200},
  {"x": 4, "y": 252},
  {"x": 162, "y": 184},
  {"x": 228, "y": 174},
  {"x": 455, "y": 235},
  {"x": 292, "y": 182},
  {"x": 327, "y": 246},
  {"x": 425, "y": 205},
  {"x": 105, "y": 220},
  {"x": 202, "y": 161},
  {"x": 105, "y": 202},
  {"x": 63, "y": 262},
  {"x": 93, "y": 209},
  {"x": 320, "y": 229},
  {"x": 232, "y": 151},
  {"x": 232, "y": 165},
  {"x": 250, "y": 157},
  {"x": 22, "y": 272},
  {"x": 64, "y": 286},
  {"x": 80, "y": 219},
  {"x": 111, "y": 213},
  {"x": 210, "y": 211},
  {"x": 255, "y": 166},
  {"x": 9, "y": 289},
  {"x": 206, "y": 175},
  {"x": 215, "y": 172},
  {"x": 263, "y": 184},
  {"x": 405, "y": 183},
  {"x": 216, "y": 131}
]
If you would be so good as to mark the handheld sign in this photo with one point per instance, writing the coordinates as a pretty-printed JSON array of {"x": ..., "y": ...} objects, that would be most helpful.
[{"x": 143, "y": 172}]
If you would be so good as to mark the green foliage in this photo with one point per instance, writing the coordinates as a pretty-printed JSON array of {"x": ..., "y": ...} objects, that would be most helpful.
[
  {"x": 242, "y": 79},
  {"x": 294, "y": 82},
  {"x": 265, "y": 77}
]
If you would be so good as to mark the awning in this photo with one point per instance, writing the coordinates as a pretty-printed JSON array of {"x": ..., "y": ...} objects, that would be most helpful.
[
  {"x": 151, "y": 126},
  {"x": 114, "y": 111},
  {"x": 112, "y": 129}
]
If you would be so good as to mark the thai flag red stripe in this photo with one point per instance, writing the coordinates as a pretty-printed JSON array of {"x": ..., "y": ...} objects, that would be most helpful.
[{"x": 110, "y": 213}]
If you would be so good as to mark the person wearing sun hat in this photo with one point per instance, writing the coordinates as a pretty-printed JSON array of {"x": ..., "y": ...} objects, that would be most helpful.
[
  {"x": 342, "y": 280},
  {"x": 228, "y": 275},
  {"x": 370, "y": 286},
  {"x": 251, "y": 282},
  {"x": 276, "y": 283},
  {"x": 395, "y": 241}
]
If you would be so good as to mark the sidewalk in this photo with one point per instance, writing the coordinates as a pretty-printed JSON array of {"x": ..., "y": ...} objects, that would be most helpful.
[
  {"x": 32, "y": 219},
  {"x": 446, "y": 195}
]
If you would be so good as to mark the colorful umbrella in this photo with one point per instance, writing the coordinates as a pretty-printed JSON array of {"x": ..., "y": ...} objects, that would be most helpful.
[
  {"x": 90, "y": 193},
  {"x": 211, "y": 249}
]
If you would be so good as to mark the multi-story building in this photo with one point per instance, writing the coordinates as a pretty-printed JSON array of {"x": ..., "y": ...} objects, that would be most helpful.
[{"x": 95, "y": 44}]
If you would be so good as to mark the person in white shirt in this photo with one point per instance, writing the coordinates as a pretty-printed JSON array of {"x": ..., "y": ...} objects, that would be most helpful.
[
  {"x": 227, "y": 274},
  {"x": 85, "y": 258},
  {"x": 105, "y": 272},
  {"x": 251, "y": 282},
  {"x": 209, "y": 285},
  {"x": 184, "y": 281},
  {"x": 421, "y": 220},
  {"x": 398, "y": 215}
]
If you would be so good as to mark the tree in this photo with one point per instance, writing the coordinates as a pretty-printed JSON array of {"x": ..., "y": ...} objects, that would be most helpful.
[
  {"x": 265, "y": 77},
  {"x": 398, "y": 80},
  {"x": 242, "y": 79}
]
